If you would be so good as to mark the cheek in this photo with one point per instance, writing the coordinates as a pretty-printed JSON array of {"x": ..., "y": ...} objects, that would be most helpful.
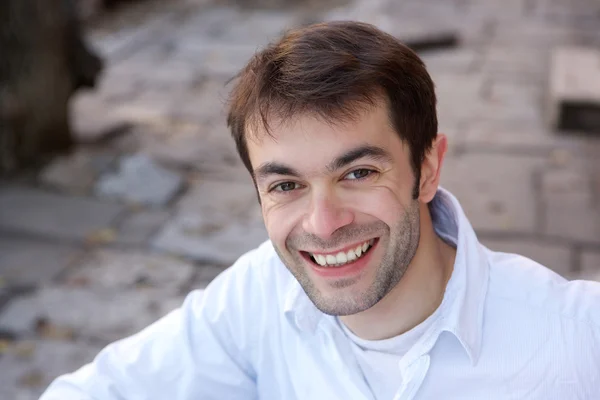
[
  {"x": 382, "y": 203},
  {"x": 281, "y": 220}
]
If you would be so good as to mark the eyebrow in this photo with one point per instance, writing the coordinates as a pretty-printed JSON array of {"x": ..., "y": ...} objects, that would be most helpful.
[
  {"x": 366, "y": 151},
  {"x": 372, "y": 152},
  {"x": 274, "y": 168}
]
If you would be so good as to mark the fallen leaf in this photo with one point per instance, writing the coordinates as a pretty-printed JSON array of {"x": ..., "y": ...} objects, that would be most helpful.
[
  {"x": 100, "y": 236},
  {"x": 4, "y": 346}
]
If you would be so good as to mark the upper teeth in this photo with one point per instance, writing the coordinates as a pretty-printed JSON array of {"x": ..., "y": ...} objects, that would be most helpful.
[{"x": 342, "y": 257}]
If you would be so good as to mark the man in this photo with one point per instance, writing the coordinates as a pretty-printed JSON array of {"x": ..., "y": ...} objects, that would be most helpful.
[{"x": 373, "y": 284}]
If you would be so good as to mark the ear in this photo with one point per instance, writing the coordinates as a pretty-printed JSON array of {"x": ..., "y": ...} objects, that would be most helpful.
[{"x": 431, "y": 168}]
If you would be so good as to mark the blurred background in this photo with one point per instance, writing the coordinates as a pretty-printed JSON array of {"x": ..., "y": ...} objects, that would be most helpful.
[{"x": 121, "y": 189}]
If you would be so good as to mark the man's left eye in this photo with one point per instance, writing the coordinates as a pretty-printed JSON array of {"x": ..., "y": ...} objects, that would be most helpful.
[{"x": 359, "y": 174}]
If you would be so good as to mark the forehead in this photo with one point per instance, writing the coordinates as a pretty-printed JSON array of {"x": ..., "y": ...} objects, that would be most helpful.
[{"x": 309, "y": 141}]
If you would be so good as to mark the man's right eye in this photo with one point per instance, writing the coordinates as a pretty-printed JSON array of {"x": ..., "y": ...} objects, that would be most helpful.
[{"x": 285, "y": 187}]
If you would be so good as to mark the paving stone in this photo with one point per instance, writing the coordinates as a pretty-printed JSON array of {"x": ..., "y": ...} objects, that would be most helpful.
[
  {"x": 557, "y": 257},
  {"x": 157, "y": 66},
  {"x": 533, "y": 32},
  {"x": 405, "y": 29},
  {"x": 114, "y": 269},
  {"x": 573, "y": 101},
  {"x": 28, "y": 367},
  {"x": 35, "y": 211},
  {"x": 217, "y": 58},
  {"x": 210, "y": 24},
  {"x": 459, "y": 60},
  {"x": 140, "y": 180},
  {"x": 570, "y": 206},
  {"x": 138, "y": 227},
  {"x": 575, "y": 8},
  {"x": 93, "y": 119},
  {"x": 208, "y": 149},
  {"x": 509, "y": 10},
  {"x": 521, "y": 63},
  {"x": 120, "y": 42},
  {"x": 216, "y": 222},
  {"x": 258, "y": 27},
  {"x": 590, "y": 265},
  {"x": 151, "y": 105},
  {"x": 519, "y": 137},
  {"x": 76, "y": 172},
  {"x": 458, "y": 96},
  {"x": 30, "y": 262},
  {"x": 510, "y": 112},
  {"x": 205, "y": 274},
  {"x": 495, "y": 190},
  {"x": 202, "y": 103},
  {"x": 120, "y": 83},
  {"x": 104, "y": 315}
]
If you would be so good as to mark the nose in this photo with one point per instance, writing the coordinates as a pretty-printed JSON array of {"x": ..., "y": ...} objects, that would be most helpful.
[{"x": 326, "y": 215}]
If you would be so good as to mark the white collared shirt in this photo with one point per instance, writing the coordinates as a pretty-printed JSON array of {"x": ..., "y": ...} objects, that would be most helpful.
[{"x": 508, "y": 328}]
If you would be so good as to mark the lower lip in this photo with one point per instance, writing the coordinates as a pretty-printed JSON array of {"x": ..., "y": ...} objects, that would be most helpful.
[{"x": 352, "y": 268}]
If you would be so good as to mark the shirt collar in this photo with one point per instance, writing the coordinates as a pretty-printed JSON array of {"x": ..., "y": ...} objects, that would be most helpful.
[{"x": 462, "y": 307}]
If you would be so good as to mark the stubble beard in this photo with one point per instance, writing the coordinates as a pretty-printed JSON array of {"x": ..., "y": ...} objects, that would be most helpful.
[{"x": 401, "y": 248}]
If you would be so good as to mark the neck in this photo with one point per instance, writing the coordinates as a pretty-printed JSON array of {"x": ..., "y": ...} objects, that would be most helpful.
[{"x": 418, "y": 294}]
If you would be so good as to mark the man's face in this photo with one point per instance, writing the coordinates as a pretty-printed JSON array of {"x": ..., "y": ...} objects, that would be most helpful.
[{"x": 337, "y": 204}]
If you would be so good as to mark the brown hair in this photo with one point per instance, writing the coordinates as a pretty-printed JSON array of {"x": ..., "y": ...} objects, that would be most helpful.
[{"x": 334, "y": 70}]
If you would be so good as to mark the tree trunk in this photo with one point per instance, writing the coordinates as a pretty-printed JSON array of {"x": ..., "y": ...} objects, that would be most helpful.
[{"x": 43, "y": 60}]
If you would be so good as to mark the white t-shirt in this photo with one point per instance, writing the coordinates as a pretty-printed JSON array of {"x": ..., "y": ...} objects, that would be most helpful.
[{"x": 379, "y": 359}]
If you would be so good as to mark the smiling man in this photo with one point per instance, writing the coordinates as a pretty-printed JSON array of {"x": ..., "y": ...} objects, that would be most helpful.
[{"x": 373, "y": 284}]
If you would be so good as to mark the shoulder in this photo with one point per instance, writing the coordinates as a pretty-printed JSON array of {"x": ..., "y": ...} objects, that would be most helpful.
[{"x": 522, "y": 282}]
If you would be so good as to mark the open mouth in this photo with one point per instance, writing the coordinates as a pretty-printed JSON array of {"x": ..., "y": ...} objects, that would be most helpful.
[{"x": 342, "y": 258}]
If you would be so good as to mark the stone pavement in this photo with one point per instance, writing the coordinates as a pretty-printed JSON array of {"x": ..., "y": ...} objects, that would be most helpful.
[{"x": 154, "y": 202}]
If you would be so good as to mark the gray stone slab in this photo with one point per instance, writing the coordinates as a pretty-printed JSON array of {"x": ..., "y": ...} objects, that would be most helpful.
[
  {"x": 139, "y": 226},
  {"x": 30, "y": 262},
  {"x": 140, "y": 180},
  {"x": 216, "y": 222},
  {"x": 533, "y": 32},
  {"x": 230, "y": 26},
  {"x": 150, "y": 106},
  {"x": 557, "y": 257},
  {"x": 460, "y": 60},
  {"x": 258, "y": 27},
  {"x": 124, "y": 39},
  {"x": 76, "y": 172},
  {"x": 459, "y": 96},
  {"x": 207, "y": 148},
  {"x": 93, "y": 119},
  {"x": 573, "y": 100},
  {"x": 218, "y": 58},
  {"x": 98, "y": 314},
  {"x": 496, "y": 191},
  {"x": 35, "y": 211},
  {"x": 570, "y": 206},
  {"x": 208, "y": 238},
  {"x": 590, "y": 265},
  {"x": 516, "y": 136},
  {"x": 119, "y": 269},
  {"x": 28, "y": 367},
  {"x": 204, "y": 102},
  {"x": 518, "y": 62}
]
